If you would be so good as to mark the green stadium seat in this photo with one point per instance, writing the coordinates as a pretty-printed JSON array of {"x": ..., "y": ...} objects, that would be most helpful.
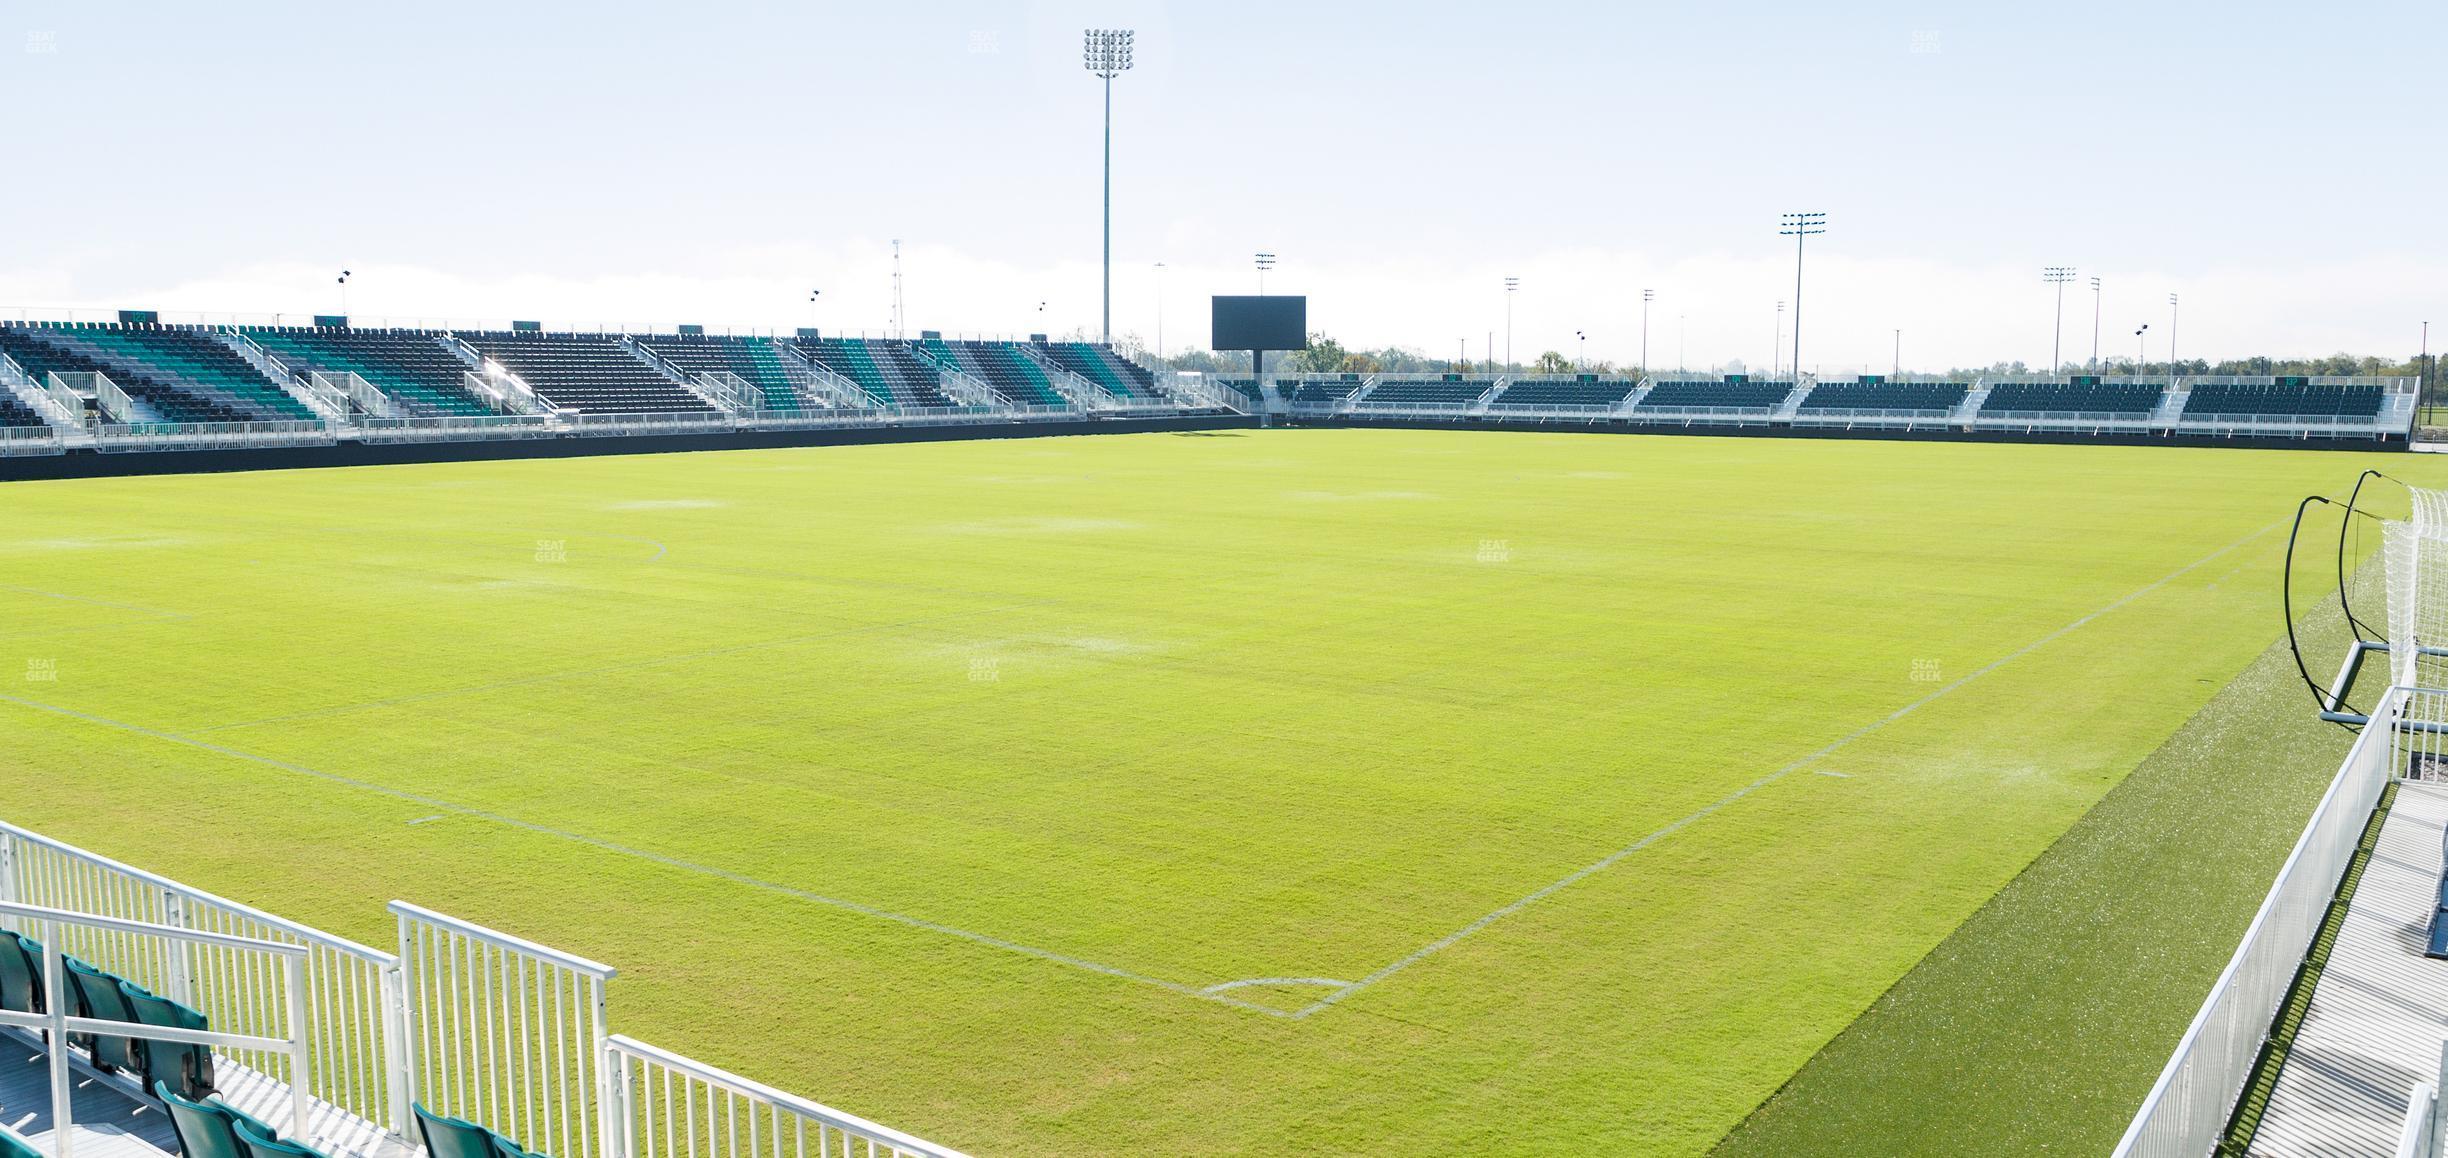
[
  {"x": 189, "y": 1066},
  {"x": 21, "y": 988},
  {"x": 13, "y": 1145},
  {"x": 207, "y": 1129},
  {"x": 99, "y": 997},
  {"x": 448, "y": 1137},
  {"x": 259, "y": 1142}
]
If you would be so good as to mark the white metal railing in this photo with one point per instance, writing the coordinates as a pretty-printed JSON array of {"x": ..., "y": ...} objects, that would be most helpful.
[
  {"x": 69, "y": 402},
  {"x": 60, "y": 925},
  {"x": 2420, "y": 1136},
  {"x": 2187, "y": 1109},
  {"x": 506, "y": 1033},
  {"x": 27, "y": 440},
  {"x": 645, "y": 422},
  {"x": 503, "y": 390},
  {"x": 674, "y": 1107},
  {"x": 730, "y": 391},
  {"x": 445, "y": 427},
  {"x": 353, "y": 388},
  {"x": 328, "y": 403},
  {"x": 351, "y": 991},
  {"x": 140, "y": 436}
]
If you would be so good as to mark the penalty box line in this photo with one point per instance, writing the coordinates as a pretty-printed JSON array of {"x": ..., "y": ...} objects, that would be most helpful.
[
  {"x": 1219, "y": 997},
  {"x": 1610, "y": 860}
]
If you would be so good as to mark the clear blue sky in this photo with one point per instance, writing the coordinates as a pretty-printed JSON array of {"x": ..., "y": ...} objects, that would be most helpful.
[{"x": 2280, "y": 166}]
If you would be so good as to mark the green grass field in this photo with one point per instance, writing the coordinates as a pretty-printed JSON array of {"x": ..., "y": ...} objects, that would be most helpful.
[{"x": 1584, "y": 786}]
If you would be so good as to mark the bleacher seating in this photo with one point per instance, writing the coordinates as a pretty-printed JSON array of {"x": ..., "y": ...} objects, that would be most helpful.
[
  {"x": 1320, "y": 391},
  {"x": 754, "y": 359},
  {"x": 585, "y": 372},
  {"x": 1443, "y": 392},
  {"x": 1098, "y": 363},
  {"x": 210, "y": 1128},
  {"x": 169, "y": 373},
  {"x": 101, "y": 995},
  {"x": 1885, "y": 396},
  {"x": 1002, "y": 366},
  {"x": 15, "y": 413},
  {"x": 1246, "y": 388},
  {"x": 411, "y": 367},
  {"x": 449, "y": 1137},
  {"x": 2122, "y": 398},
  {"x": 2285, "y": 400},
  {"x": 886, "y": 370},
  {"x": 1550, "y": 393},
  {"x": 1689, "y": 394}
]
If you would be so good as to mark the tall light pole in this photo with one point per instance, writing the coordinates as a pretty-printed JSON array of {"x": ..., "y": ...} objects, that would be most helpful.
[
  {"x": 1581, "y": 359},
  {"x": 1511, "y": 284},
  {"x": 1799, "y": 226},
  {"x": 2093, "y": 364},
  {"x": 1647, "y": 296},
  {"x": 1266, "y": 261},
  {"x": 1107, "y": 53},
  {"x": 2057, "y": 275},
  {"x": 812, "y": 314},
  {"x": 2171, "y": 339},
  {"x": 344, "y": 280},
  {"x": 1897, "y": 370},
  {"x": 2140, "y": 355},
  {"x": 1160, "y": 268},
  {"x": 1776, "y": 344}
]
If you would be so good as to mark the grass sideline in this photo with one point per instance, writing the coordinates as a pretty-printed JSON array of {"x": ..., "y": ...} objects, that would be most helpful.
[
  {"x": 1198, "y": 710},
  {"x": 2039, "y": 1026}
]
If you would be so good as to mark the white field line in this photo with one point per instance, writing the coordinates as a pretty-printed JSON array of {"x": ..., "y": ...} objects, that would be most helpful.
[
  {"x": 1602, "y": 864},
  {"x": 1216, "y": 993},
  {"x": 654, "y": 857}
]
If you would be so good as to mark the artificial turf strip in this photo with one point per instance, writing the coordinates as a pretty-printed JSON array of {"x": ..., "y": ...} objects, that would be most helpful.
[
  {"x": 1272, "y": 704},
  {"x": 2039, "y": 1025},
  {"x": 2273, "y": 1057}
]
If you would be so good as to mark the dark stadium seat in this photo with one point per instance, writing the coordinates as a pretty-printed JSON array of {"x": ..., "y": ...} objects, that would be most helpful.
[
  {"x": 2283, "y": 400},
  {"x": 207, "y": 1129},
  {"x": 1452, "y": 392},
  {"x": 1694, "y": 395},
  {"x": 1098, "y": 363},
  {"x": 258, "y": 1142},
  {"x": 99, "y": 994},
  {"x": 174, "y": 375},
  {"x": 12, "y": 1146},
  {"x": 411, "y": 367},
  {"x": 187, "y": 1067},
  {"x": 21, "y": 987},
  {"x": 591, "y": 373},
  {"x": 15, "y": 413},
  {"x": 752, "y": 358},
  {"x": 1011, "y": 374},
  {"x": 1325, "y": 391},
  {"x": 1913, "y": 396},
  {"x": 448, "y": 1137},
  {"x": 1564, "y": 393},
  {"x": 2071, "y": 397},
  {"x": 886, "y": 370}
]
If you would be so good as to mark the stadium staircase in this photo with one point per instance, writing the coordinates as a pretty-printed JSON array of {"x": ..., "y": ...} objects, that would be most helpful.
[
  {"x": 232, "y": 1021},
  {"x": 25, "y": 401},
  {"x": 823, "y": 387},
  {"x": 719, "y": 388},
  {"x": 1792, "y": 404},
  {"x": 1973, "y": 399},
  {"x": 764, "y": 379},
  {"x": 133, "y": 394},
  {"x": 1127, "y": 381},
  {"x": 385, "y": 373},
  {"x": 588, "y": 373},
  {"x": 996, "y": 369},
  {"x": 2171, "y": 406}
]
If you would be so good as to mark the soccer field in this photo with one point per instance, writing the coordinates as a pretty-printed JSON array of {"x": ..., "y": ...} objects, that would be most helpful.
[{"x": 1345, "y": 791}]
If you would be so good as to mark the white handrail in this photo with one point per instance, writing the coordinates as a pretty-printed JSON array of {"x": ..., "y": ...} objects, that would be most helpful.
[{"x": 645, "y": 1128}]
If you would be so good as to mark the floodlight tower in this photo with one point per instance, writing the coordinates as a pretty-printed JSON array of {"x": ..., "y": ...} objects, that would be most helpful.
[
  {"x": 2140, "y": 352},
  {"x": 1107, "y": 53},
  {"x": 1266, "y": 261},
  {"x": 1776, "y": 342},
  {"x": 1160, "y": 268},
  {"x": 344, "y": 280},
  {"x": 1511, "y": 284},
  {"x": 1583, "y": 359},
  {"x": 2171, "y": 339},
  {"x": 2057, "y": 275},
  {"x": 1647, "y": 296},
  {"x": 1799, "y": 226},
  {"x": 2093, "y": 364}
]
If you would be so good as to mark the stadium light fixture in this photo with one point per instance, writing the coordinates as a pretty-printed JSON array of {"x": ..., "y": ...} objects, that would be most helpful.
[
  {"x": 1160, "y": 268},
  {"x": 1266, "y": 261},
  {"x": 813, "y": 317},
  {"x": 2171, "y": 339},
  {"x": 1647, "y": 296},
  {"x": 1776, "y": 341},
  {"x": 1511, "y": 284},
  {"x": 1799, "y": 226},
  {"x": 2057, "y": 275},
  {"x": 1897, "y": 370},
  {"x": 2140, "y": 354},
  {"x": 1581, "y": 358},
  {"x": 1107, "y": 53},
  {"x": 2093, "y": 364},
  {"x": 345, "y": 275}
]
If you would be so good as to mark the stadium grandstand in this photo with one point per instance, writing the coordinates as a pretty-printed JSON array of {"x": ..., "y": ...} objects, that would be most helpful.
[{"x": 136, "y": 386}]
